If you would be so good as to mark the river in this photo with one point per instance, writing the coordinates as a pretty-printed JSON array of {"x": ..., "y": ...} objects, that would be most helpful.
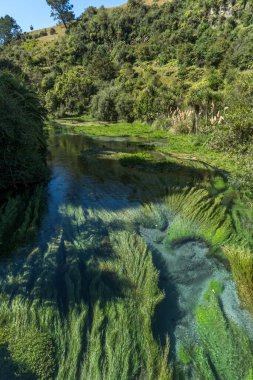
[{"x": 54, "y": 284}]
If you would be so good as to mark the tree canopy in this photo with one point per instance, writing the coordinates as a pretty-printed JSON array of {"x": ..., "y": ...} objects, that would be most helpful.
[
  {"x": 62, "y": 11},
  {"x": 9, "y": 29}
]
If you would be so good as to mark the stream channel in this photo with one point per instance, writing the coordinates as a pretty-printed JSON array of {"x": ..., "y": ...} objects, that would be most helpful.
[{"x": 87, "y": 180}]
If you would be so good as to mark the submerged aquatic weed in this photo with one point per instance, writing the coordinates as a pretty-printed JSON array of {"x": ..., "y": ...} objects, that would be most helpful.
[
  {"x": 97, "y": 310},
  {"x": 241, "y": 262},
  {"x": 215, "y": 288},
  {"x": 216, "y": 333},
  {"x": 198, "y": 215},
  {"x": 19, "y": 218},
  {"x": 208, "y": 359},
  {"x": 121, "y": 344}
]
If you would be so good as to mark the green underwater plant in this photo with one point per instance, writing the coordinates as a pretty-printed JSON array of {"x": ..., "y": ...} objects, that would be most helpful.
[
  {"x": 198, "y": 215},
  {"x": 223, "y": 351},
  {"x": 216, "y": 332},
  {"x": 241, "y": 263},
  {"x": 83, "y": 310},
  {"x": 19, "y": 217}
]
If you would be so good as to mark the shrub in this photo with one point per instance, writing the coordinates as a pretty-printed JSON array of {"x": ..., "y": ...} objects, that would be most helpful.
[
  {"x": 22, "y": 138},
  {"x": 43, "y": 33},
  {"x": 104, "y": 105},
  {"x": 52, "y": 31},
  {"x": 125, "y": 107}
]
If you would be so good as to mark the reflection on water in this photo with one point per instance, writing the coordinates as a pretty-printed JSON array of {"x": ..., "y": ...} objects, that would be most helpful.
[{"x": 58, "y": 279}]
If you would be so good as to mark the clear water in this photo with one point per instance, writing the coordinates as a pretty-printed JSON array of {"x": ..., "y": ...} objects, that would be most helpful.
[{"x": 88, "y": 194}]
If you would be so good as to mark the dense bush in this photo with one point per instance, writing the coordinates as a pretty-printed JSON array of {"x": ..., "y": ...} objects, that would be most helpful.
[
  {"x": 146, "y": 62},
  {"x": 104, "y": 105},
  {"x": 22, "y": 139},
  {"x": 71, "y": 91}
]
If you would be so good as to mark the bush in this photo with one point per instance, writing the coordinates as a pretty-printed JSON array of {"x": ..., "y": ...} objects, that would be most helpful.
[
  {"x": 72, "y": 91},
  {"x": 43, "y": 33},
  {"x": 125, "y": 107},
  {"x": 52, "y": 31},
  {"x": 22, "y": 139},
  {"x": 104, "y": 105}
]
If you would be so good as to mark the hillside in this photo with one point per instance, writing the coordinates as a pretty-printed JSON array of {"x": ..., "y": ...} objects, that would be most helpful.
[
  {"x": 126, "y": 194},
  {"x": 48, "y": 34},
  {"x": 181, "y": 64}
]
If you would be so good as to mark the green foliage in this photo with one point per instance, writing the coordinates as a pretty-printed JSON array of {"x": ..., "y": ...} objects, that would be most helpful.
[
  {"x": 23, "y": 141},
  {"x": 238, "y": 117},
  {"x": 110, "y": 63},
  {"x": 19, "y": 218},
  {"x": 241, "y": 262},
  {"x": 162, "y": 123},
  {"x": 71, "y": 91},
  {"x": 61, "y": 10},
  {"x": 9, "y": 29},
  {"x": 216, "y": 333},
  {"x": 104, "y": 105},
  {"x": 197, "y": 215}
]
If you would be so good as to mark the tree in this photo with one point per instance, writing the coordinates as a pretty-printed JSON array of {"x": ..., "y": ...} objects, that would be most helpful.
[
  {"x": 31, "y": 28},
  {"x": 62, "y": 11},
  {"x": 103, "y": 106},
  {"x": 9, "y": 29}
]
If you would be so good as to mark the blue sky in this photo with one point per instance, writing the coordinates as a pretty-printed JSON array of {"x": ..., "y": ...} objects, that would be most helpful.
[{"x": 37, "y": 12}]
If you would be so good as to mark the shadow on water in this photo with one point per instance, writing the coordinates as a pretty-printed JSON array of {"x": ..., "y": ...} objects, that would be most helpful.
[{"x": 86, "y": 176}]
